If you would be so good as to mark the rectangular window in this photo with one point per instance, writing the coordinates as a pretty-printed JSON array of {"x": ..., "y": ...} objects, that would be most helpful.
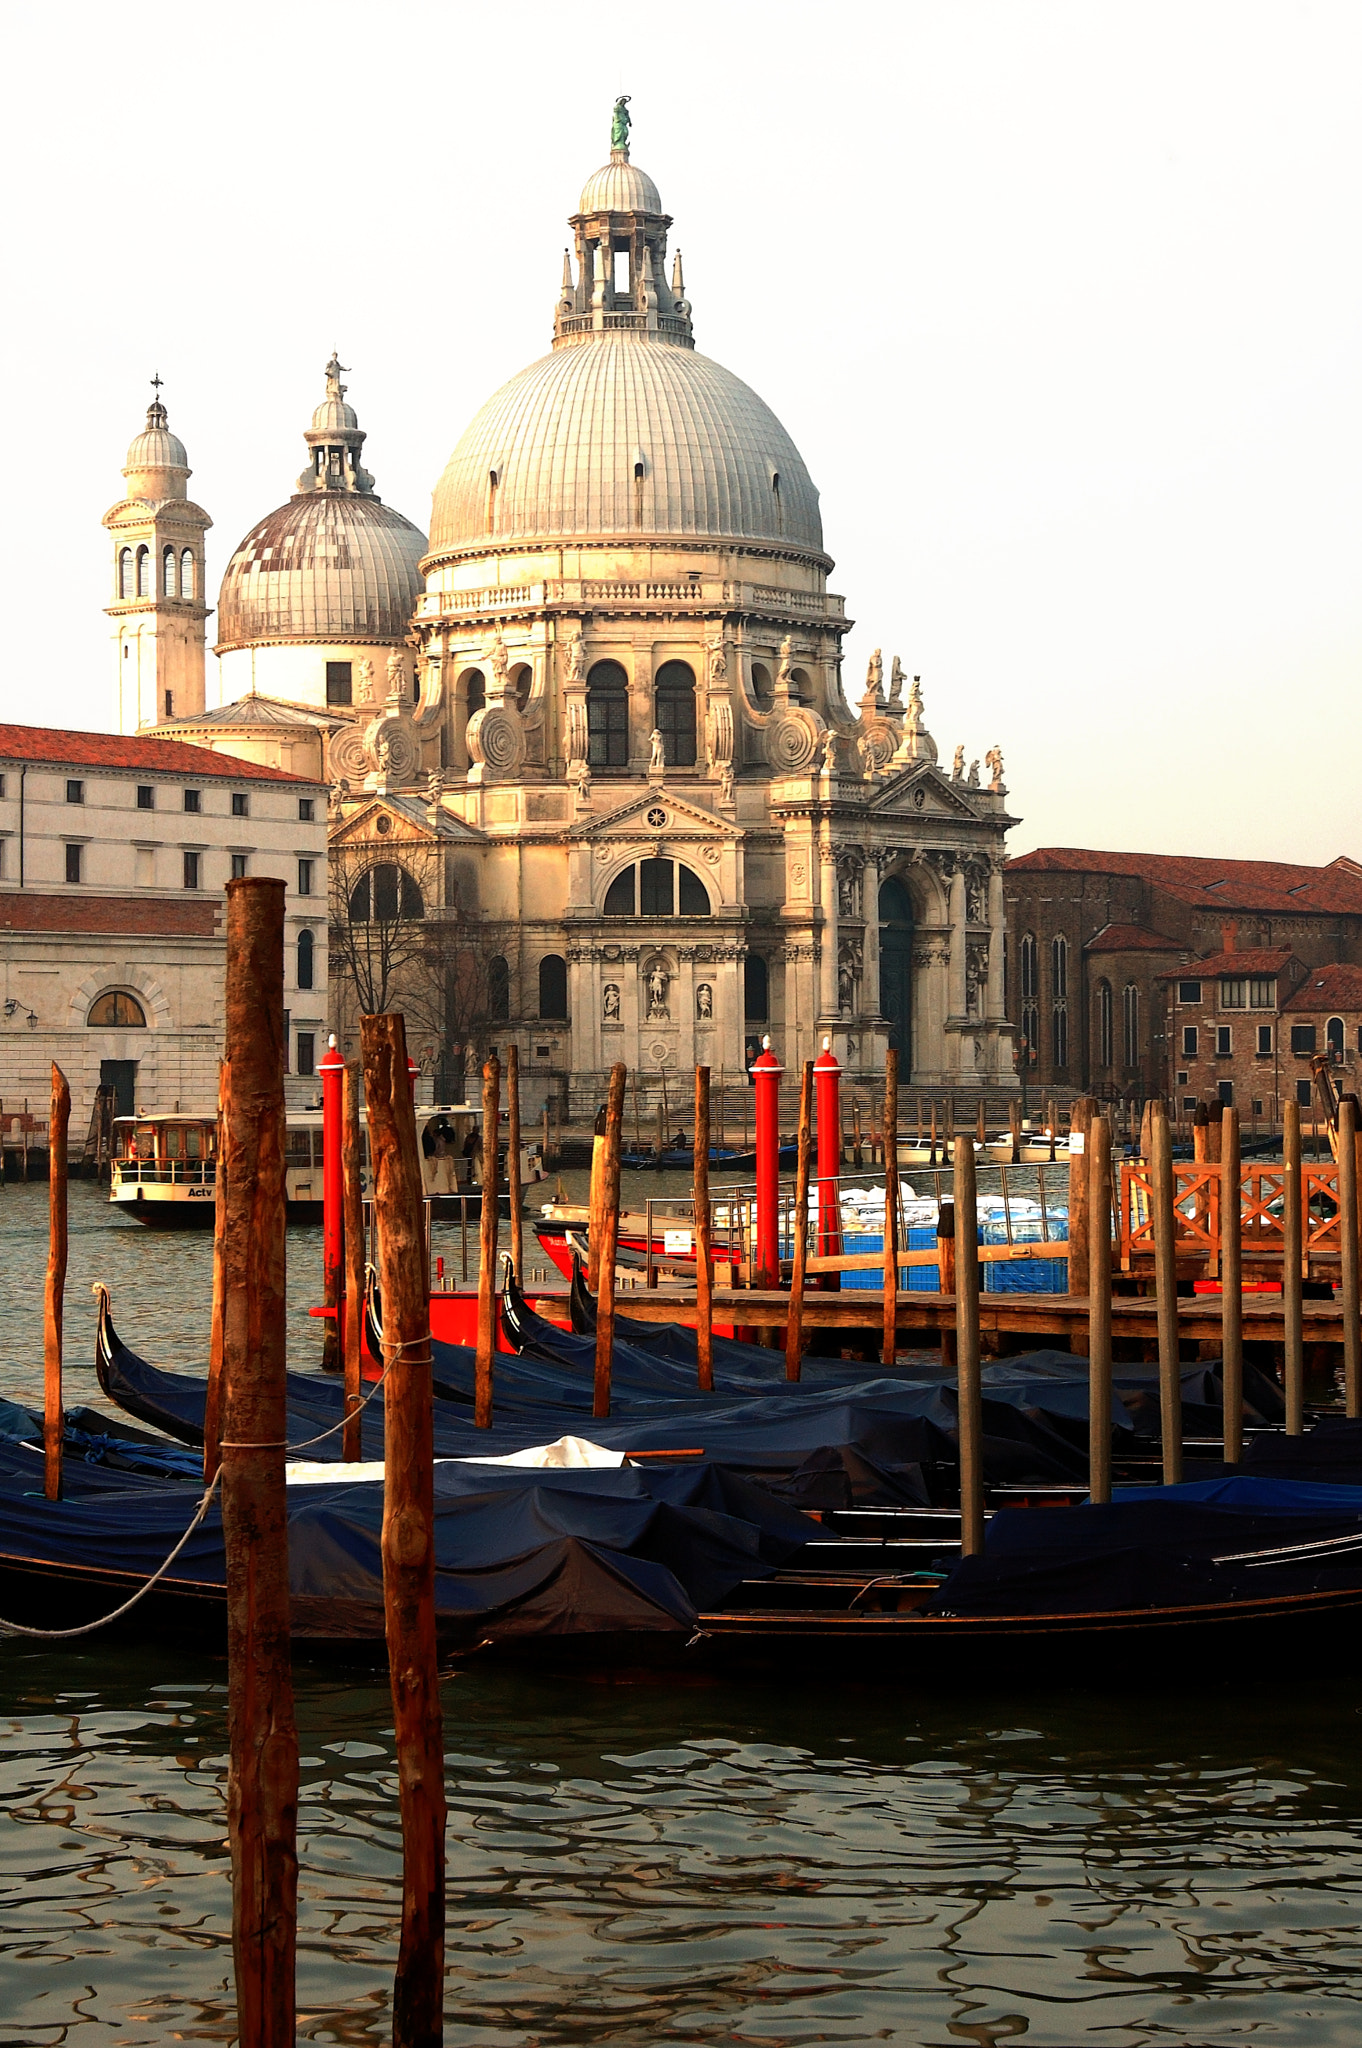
[
  {"x": 305, "y": 809},
  {"x": 1224, "y": 1041},
  {"x": 1189, "y": 1102},
  {"x": 1189, "y": 1041},
  {"x": 146, "y": 867},
  {"x": 306, "y": 1046},
  {"x": 1303, "y": 1094},
  {"x": 241, "y": 804},
  {"x": 305, "y": 878},
  {"x": 191, "y": 871},
  {"x": 1189, "y": 991},
  {"x": 338, "y": 682},
  {"x": 1226, "y": 1093},
  {"x": 191, "y": 799},
  {"x": 2, "y": 785},
  {"x": 2, "y": 858},
  {"x": 73, "y": 854},
  {"x": 170, "y": 703},
  {"x": 1257, "y": 1106},
  {"x": 1262, "y": 992},
  {"x": 238, "y": 866},
  {"x": 1233, "y": 993},
  {"x": 1303, "y": 1041},
  {"x": 146, "y": 796},
  {"x": 75, "y": 792},
  {"x": 1264, "y": 1040},
  {"x": 1182, "y": 1079}
]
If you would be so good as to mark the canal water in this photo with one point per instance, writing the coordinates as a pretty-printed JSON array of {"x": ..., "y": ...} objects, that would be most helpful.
[{"x": 636, "y": 1861}]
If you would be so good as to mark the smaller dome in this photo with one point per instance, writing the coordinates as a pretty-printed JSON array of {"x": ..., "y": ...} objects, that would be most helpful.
[
  {"x": 620, "y": 187},
  {"x": 334, "y": 415},
  {"x": 156, "y": 447}
]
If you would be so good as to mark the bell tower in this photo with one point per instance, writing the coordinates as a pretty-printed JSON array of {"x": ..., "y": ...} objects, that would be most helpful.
[{"x": 159, "y": 615}]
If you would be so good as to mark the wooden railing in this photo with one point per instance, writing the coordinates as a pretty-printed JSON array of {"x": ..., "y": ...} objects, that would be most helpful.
[{"x": 1196, "y": 1212}]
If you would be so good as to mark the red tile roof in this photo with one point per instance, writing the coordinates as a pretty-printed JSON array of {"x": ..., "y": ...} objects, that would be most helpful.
[
  {"x": 1336, "y": 987},
  {"x": 1248, "y": 960},
  {"x": 1275, "y": 885},
  {"x": 145, "y": 916},
  {"x": 1132, "y": 938},
  {"x": 37, "y": 744}
]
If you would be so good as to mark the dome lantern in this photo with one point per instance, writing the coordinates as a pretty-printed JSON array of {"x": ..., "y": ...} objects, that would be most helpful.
[
  {"x": 335, "y": 439},
  {"x": 621, "y": 235}
]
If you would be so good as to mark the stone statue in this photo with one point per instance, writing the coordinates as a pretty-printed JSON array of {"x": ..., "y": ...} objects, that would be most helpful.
[
  {"x": 364, "y": 694},
  {"x": 993, "y": 760},
  {"x": 339, "y": 792},
  {"x": 397, "y": 674},
  {"x": 785, "y": 672},
  {"x": 704, "y": 1003},
  {"x": 874, "y": 675},
  {"x": 657, "y": 993},
  {"x": 657, "y": 759},
  {"x": 498, "y": 663},
  {"x": 718, "y": 656},
  {"x": 576, "y": 658},
  {"x": 726, "y": 782},
  {"x": 385, "y": 754},
  {"x": 958, "y": 765},
  {"x": 846, "y": 989},
  {"x": 621, "y": 120},
  {"x": 610, "y": 1004},
  {"x": 335, "y": 370},
  {"x": 846, "y": 893},
  {"x": 914, "y": 725},
  {"x": 896, "y": 682},
  {"x": 974, "y": 774},
  {"x": 435, "y": 787}
]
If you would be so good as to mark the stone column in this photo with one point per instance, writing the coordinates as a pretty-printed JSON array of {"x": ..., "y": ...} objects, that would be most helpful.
[
  {"x": 997, "y": 918},
  {"x": 959, "y": 911},
  {"x": 870, "y": 908},
  {"x": 827, "y": 898}
]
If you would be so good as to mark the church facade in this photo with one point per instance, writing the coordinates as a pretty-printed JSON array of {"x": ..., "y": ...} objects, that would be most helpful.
[{"x": 593, "y": 733}]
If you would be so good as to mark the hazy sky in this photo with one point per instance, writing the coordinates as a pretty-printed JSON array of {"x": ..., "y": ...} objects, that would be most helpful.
[{"x": 1061, "y": 303}]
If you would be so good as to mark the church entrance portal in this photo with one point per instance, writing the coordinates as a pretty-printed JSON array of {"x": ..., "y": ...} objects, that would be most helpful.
[{"x": 896, "y": 969}]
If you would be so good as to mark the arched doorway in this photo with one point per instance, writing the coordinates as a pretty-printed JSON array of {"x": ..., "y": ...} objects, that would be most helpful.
[{"x": 896, "y": 969}]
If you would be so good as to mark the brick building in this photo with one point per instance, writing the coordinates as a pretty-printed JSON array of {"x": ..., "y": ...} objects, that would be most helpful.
[{"x": 1100, "y": 944}]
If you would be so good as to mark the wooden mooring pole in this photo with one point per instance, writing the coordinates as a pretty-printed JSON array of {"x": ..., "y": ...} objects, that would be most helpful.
[
  {"x": 1081, "y": 1114},
  {"x": 487, "y": 1245},
  {"x": 262, "y": 1786},
  {"x": 610, "y": 1230},
  {"x": 799, "y": 1248},
  {"x": 1098, "y": 1153},
  {"x": 54, "y": 1294},
  {"x": 1348, "y": 1250},
  {"x": 1231, "y": 1287},
  {"x": 1166, "y": 1290},
  {"x": 513, "y": 1188},
  {"x": 969, "y": 1388},
  {"x": 700, "y": 1217},
  {"x": 1293, "y": 1253},
  {"x": 889, "y": 1340},
  {"x": 408, "y": 1540},
  {"x": 212, "y": 1405},
  {"x": 352, "y": 1324}
]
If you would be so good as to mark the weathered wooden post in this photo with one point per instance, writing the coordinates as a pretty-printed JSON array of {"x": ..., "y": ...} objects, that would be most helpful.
[
  {"x": 212, "y": 1404},
  {"x": 945, "y": 1267},
  {"x": 969, "y": 1387},
  {"x": 1081, "y": 1114},
  {"x": 408, "y": 1539},
  {"x": 1014, "y": 1128},
  {"x": 1231, "y": 1287},
  {"x": 889, "y": 1341},
  {"x": 262, "y": 1786},
  {"x": 54, "y": 1295},
  {"x": 1347, "y": 1227},
  {"x": 980, "y": 1123},
  {"x": 1166, "y": 1290},
  {"x": 1098, "y": 1137},
  {"x": 704, "y": 1270},
  {"x": 610, "y": 1226},
  {"x": 487, "y": 1244},
  {"x": 794, "y": 1328},
  {"x": 1293, "y": 1258},
  {"x": 352, "y": 1322},
  {"x": 513, "y": 1188}
]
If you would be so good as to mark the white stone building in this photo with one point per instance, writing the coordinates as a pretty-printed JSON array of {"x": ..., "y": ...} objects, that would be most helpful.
[{"x": 114, "y": 854}]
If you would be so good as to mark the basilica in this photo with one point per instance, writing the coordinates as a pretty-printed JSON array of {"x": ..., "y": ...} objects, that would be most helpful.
[{"x": 591, "y": 734}]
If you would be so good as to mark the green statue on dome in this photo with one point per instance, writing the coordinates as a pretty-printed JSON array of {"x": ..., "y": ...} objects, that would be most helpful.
[{"x": 620, "y": 123}]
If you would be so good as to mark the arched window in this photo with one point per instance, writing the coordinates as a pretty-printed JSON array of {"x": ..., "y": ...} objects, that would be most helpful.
[
  {"x": 126, "y": 586},
  {"x": 187, "y": 572},
  {"x": 607, "y": 716},
  {"x": 116, "y": 1010},
  {"x": 553, "y": 986},
  {"x": 305, "y": 958},
  {"x": 657, "y": 888},
  {"x": 499, "y": 989},
  {"x": 1028, "y": 964},
  {"x": 1105, "y": 1046},
  {"x": 674, "y": 710},
  {"x": 1059, "y": 1034},
  {"x": 756, "y": 997},
  {"x": 776, "y": 504},
  {"x": 522, "y": 682},
  {"x": 144, "y": 572},
  {"x": 1333, "y": 1037},
  {"x": 763, "y": 689},
  {"x": 493, "y": 486},
  {"x": 385, "y": 894},
  {"x": 473, "y": 686},
  {"x": 1130, "y": 1021},
  {"x": 168, "y": 577},
  {"x": 1059, "y": 960}
]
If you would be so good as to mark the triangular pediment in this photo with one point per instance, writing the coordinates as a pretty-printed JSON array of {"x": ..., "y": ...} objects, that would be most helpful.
[
  {"x": 402, "y": 820},
  {"x": 922, "y": 791},
  {"x": 657, "y": 811}
]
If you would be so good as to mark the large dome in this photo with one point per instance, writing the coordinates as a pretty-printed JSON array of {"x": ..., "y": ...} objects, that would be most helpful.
[
  {"x": 334, "y": 566},
  {"x": 565, "y": 438}
]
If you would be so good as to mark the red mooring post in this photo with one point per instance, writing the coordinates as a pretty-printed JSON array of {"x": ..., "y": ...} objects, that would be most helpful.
[
  {"x": 331, "y": 1067},
  {"x": 827, "y": 1081},
  {"x": 766, "y": 1073}
]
